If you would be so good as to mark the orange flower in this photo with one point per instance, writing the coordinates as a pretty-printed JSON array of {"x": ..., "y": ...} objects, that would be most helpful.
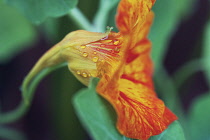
[
  {"x": 129, "y": 88},
  {"x": 122, "y": 61}
]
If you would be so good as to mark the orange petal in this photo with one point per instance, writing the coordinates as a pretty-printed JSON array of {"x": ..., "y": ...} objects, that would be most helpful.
[
  {"x": 132, "y": 13},
  {"x": 134, "y": 45},
  {"x": 132, "y": 48},
  {"x": 140, "y": 113},
  {"x": 139, "y": 67},
  {"x": 130, "y": 87}
]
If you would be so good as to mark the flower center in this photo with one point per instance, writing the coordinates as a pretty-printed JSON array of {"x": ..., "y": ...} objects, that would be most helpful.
[{"x": 104, "y": 49}]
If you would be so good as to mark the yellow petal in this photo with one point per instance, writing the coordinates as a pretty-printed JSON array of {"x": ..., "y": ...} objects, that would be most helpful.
[{"x": 90, "y": 54}]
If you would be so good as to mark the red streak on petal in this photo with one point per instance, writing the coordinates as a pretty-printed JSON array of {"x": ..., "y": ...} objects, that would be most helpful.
[
  {"x": 107, "y": 52},
  {"x": 136, "y": 81}
]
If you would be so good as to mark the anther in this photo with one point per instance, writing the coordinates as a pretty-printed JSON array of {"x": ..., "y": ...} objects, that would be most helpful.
[{"x": 116, "y": 42}]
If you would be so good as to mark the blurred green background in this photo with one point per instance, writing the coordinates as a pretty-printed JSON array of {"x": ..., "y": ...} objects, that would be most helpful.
[{"x": 181, "y": 46}]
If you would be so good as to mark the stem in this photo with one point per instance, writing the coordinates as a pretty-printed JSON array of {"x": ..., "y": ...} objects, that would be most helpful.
[
  {"x": 29, "y": 90},
  {"x": 102, "y": 15},
  {"x": 77, "y": 16},
  {"x": 49, "y": 59}
]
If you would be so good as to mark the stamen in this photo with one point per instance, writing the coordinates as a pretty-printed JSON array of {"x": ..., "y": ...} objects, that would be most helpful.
[
  {"x": 106, "y": 48},
  {"x": 102, "y": 45},
  {"x": 106, "y": 37},
  {"x": 106, "y": 41},
  {"x": 116, "y": 42}
]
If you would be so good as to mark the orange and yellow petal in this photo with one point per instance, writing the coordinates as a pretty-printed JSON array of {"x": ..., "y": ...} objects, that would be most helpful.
[
  {"x": 129, "y": 88},
  {"x": 140, "y": 113},
  {"x": 131, "y": 14},
  {"x": 138, "y": 64},
  {"x": 139, "y": 69},
  {"x": 134, "y": 30}
]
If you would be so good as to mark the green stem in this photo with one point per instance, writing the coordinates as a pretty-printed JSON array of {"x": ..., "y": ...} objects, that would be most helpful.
[
  {"x": 102, "y": 15},
  {"x": 29, "y": 90},
  {"x": 77, "y": 16},
  {"x": 46, "y": 63}
]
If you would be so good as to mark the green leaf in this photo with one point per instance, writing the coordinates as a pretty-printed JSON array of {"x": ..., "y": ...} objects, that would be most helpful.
[
  {"x": 15, "y": 33},
  {"x": 199, "y": 118},
  {"x": 206, "y": 51},
  {"x": 96, "y": 114},
  {"x": 38, "y": 10},
  {"x": 174, "y": 132},
  {"x": 103, "y": 13},
  {"x": 108, "y": 3},
  {"x": 99, "y": 118}
]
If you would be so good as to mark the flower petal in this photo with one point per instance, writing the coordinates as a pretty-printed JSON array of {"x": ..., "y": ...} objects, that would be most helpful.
[
  {"x": 130, "y": 87},
  {"x": 139, "y": 66},
  {"x": 91, "y": 54},
  {"x": 132, "y": 13},
  {"x": 132, "y": 48},
  {"x": 79, "y": 58},
  {"x": 140, "y": 113}
]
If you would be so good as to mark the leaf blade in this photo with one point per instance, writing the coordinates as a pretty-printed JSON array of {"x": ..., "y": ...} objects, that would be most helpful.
[
  {"x": 199, "y": 118},
  {"x": 98, "y": 117},
  {"x": 37, "y": 11},
  {"x": 173, "y": 132},
  {"x": 16, "y": 34}
]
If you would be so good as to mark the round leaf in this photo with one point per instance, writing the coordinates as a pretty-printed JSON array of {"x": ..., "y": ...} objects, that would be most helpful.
[
  {"x": 15, "y": 33},
  {"x": 199, "y": 118},
  {"x": 38, "y": 10},
  {"x": 96, "y": 114},
  {"x": 173, "y": 132}
]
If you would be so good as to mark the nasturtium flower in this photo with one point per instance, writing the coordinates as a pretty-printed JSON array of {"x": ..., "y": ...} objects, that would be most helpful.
[{"x": 123, "y": 64}]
